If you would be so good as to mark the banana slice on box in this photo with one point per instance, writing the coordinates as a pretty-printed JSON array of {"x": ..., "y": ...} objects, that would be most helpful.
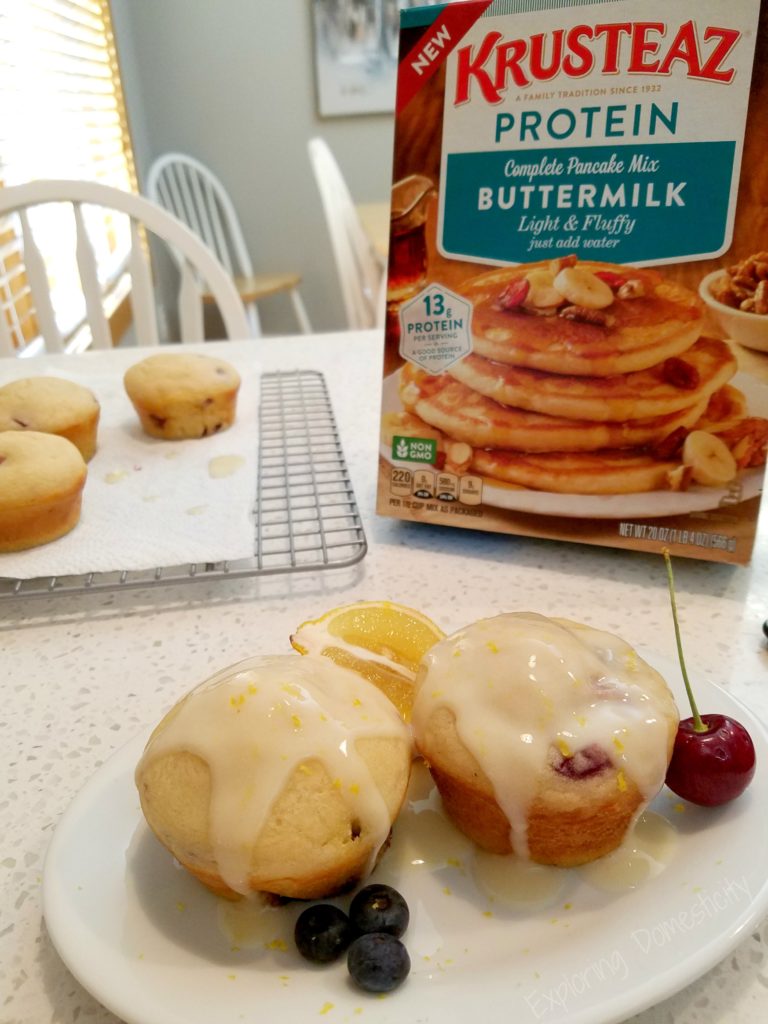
[
  {"x": 709, "y": 458},
  {"x": 582, "y": 288},
  {"x": 542, "y": 293}
]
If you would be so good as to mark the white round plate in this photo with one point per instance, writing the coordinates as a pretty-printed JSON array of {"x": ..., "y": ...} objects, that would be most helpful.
[
  {"x": 147, "y": 940},
  {"x": 651, "y": 504}
]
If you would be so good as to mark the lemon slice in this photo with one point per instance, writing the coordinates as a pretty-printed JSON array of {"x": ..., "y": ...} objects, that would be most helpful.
[{"x": 381, "y": 641}]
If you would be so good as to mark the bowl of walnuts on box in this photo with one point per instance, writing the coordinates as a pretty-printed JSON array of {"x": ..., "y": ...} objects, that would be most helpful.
[{"x": 737, "y": 297}]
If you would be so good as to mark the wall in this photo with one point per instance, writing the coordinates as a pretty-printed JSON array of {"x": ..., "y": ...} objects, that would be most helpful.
[{"x": 232, "y": 83}]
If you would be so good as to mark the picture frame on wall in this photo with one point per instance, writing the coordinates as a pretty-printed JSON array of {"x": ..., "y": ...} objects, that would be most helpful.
[{"x": 356, "y": 46}]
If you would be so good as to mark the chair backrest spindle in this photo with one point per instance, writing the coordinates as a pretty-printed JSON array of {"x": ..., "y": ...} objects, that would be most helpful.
[
  {"x": 190, "y": 304},
  {"x": 219, "y": 232},
  {"x": 142, "y": 292},
  {"x": 38, "y": 285},
  {"x": 89, "y": 278}
]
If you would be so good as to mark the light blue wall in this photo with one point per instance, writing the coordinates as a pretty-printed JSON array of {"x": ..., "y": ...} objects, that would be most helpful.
[{"x": 232, "y": 83}]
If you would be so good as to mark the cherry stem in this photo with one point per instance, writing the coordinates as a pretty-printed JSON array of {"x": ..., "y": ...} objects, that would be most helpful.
[{"x": 698, "y": 725}]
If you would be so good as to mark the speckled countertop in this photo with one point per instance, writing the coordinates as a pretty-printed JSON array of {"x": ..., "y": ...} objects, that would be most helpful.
[{"x": 80, "y": 675}]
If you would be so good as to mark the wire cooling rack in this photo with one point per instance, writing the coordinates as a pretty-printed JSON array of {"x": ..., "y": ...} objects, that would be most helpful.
[{"x": 306, "y": 516}]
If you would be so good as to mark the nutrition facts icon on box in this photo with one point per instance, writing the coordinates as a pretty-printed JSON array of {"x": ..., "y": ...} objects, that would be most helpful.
[
  {"x": 434, "y": 329},
  {"x": 401, "y": 482},
  {"x": 471, "y": 490},
  {"x": 423, "y": 484},
  {"x": 447, "y": 487}
]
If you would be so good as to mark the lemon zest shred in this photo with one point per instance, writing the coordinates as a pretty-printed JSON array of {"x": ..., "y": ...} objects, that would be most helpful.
[{"x": 563, "y": 747}]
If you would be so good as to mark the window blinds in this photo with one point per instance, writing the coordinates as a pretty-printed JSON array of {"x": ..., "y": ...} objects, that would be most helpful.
[{"x": 62, "y": 115}]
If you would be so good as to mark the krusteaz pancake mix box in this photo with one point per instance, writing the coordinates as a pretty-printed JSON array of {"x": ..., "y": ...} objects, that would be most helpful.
[{"x": 577, "y": 299}]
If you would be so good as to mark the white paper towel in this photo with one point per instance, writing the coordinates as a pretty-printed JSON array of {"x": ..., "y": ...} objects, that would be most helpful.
[{"x": 147, "y": 502}]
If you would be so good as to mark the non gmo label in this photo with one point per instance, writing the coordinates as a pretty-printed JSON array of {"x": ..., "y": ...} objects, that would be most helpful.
[
  {"x": 414, "y": 449},
  {"x": 434, "y": 329}
]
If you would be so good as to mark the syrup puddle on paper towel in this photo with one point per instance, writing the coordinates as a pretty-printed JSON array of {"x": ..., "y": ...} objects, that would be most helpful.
[
  {"x": 218, "y": 467},
  {"x": 425, "y": 841},
  {"x": 224, "y": 465}
]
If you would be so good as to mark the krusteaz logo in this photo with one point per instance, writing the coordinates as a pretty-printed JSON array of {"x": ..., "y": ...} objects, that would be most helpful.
[{"x": 414, "y": 449}]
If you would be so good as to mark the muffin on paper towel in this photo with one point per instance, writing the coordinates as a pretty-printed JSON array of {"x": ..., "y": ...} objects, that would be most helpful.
[
  {"x": 181, "y": 395},
  {"x": 42, "y": 477},
  {"x": 52, "y": 405}
]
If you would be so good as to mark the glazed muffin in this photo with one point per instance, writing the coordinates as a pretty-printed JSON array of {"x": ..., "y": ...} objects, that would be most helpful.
[
  {"x": 52, "y": 405},
  {"x": 41, "y": 484},
  {"x": 280, "y": 775},
  {"x": 179, "y": 395},
  {"x": 545, "y": 737}
]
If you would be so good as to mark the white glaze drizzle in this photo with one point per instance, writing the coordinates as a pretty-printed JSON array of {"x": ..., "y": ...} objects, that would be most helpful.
[
  {"x": 315, "y": 637},
  {"x": 255, "y": 723},
  {"x": 520, "y": 684}
]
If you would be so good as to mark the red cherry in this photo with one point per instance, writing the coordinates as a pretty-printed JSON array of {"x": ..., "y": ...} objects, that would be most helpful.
[
  {"x": 713, "y": 759},
  {"x": 711, "y": 767}
]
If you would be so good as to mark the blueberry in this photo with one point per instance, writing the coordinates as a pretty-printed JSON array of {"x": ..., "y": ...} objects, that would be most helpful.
[
  {"x": 379, "y": 908},
  {"x": 322, "y": 933},
  {"x": 378, "y": 962}
]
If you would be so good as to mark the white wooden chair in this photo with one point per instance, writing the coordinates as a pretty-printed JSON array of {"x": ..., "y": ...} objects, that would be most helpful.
[
  {"x": 196, "y": 196},
  {"x": 360, "y": 271},
  {"x": 200, "y": 269}
]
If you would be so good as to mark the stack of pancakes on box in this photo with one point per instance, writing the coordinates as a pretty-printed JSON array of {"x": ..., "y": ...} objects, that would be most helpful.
[{"x": 586, "y": 378}]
